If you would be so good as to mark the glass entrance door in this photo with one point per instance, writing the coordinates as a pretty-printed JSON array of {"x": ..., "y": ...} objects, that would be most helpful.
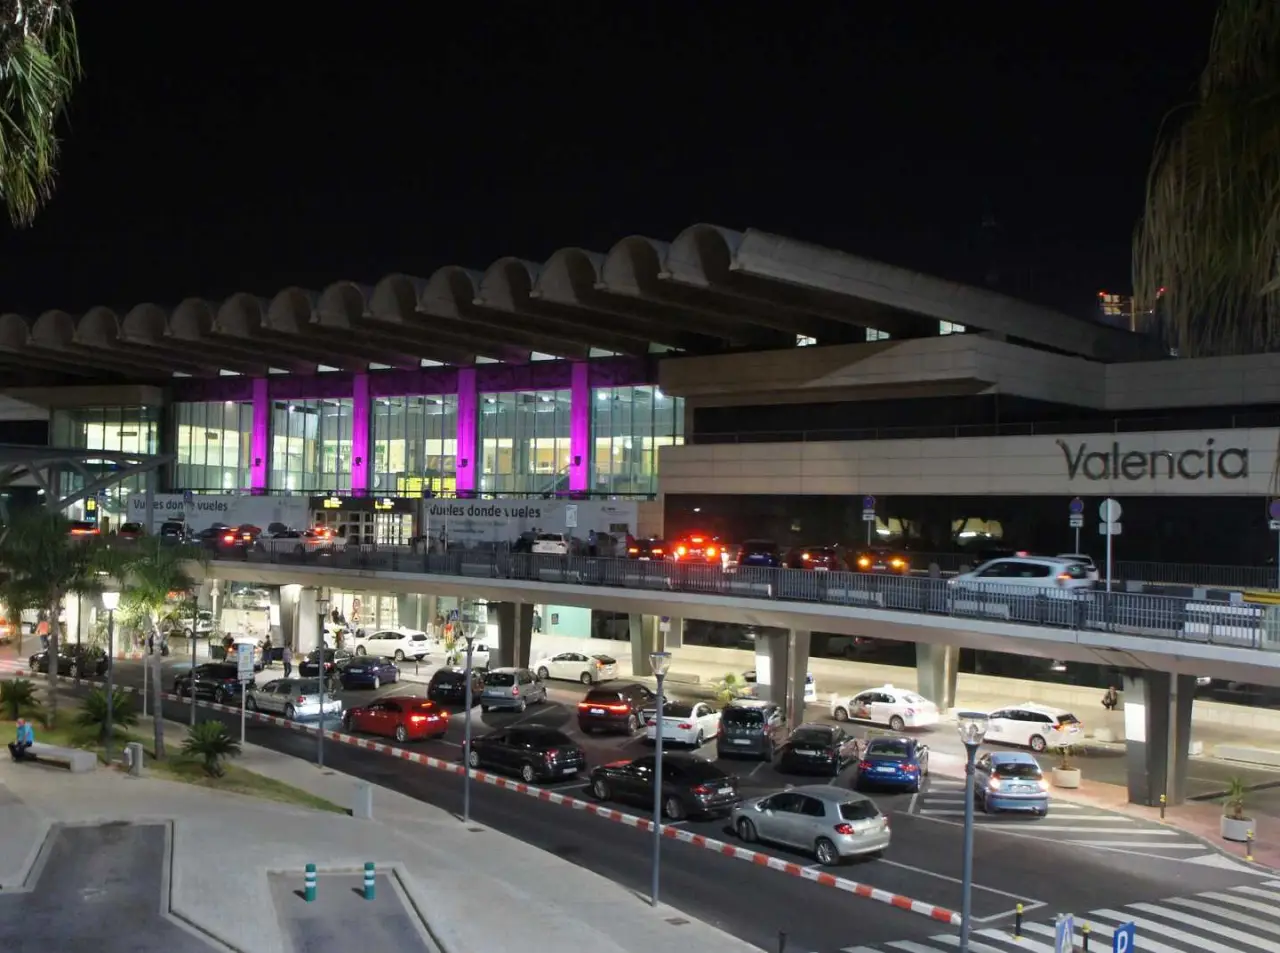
[{"x": 393, "y": 529}]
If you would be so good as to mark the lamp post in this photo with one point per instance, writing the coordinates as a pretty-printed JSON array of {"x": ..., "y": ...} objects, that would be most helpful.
[
  {"x": 322, "y": 607},
  {"x": 195, "y": 631},
  {"x": 972, "y": 726},
  {"x": 659, "y": 662},
  {"x": 110, "y": 602},
  {"x": 470, "y": 636}
]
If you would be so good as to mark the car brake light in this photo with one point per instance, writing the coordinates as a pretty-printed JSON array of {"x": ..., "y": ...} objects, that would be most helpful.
[
  {"x": 417, "y": 719},
  {"x": 229, "y": 538},
  {"x": 697, "y": 539},
  {"x": 845, "y": 829},
  {"x": 864, "y": 765},
  {"x": 864, "y": 562},
  {"x": 680, "y": 550},
  {"x": 515, "y": 690},
  {"x": 1063, "y": 578},
  {"x": 711, "y": 550},
  {"x": 1022, "y": 553},
  {"x": 633, "y": 550},
  {"x": 911, "y": 768},
  {"x": 302, "y": 699},
  {"x": 805, "y": 556},
  {"x": 685, "y": 726},
  {"x": 657, "y": 550},
  {"x": 704, "y": 789}
]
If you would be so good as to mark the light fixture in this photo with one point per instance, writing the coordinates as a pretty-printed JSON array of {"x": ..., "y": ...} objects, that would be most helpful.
[
  {"x": 110, "y": 600},
  {"x": 972, "y": 726},
  {"x": 659, "y": 662}
]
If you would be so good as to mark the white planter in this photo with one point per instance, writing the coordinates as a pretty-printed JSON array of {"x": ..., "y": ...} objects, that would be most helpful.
[
  {"x": 1104, "y": 735},
  {"x": 1066, "y": 777},
  {"x": 1237, "y": 830}
]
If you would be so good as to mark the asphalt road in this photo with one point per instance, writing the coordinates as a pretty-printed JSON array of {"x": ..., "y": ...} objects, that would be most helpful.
[{"x": 1047, "y": 874}]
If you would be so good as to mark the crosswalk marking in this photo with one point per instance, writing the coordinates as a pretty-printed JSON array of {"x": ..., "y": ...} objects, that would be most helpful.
[
  {"x": 1240, "y": 918},
  {"x": 1241, "y": 902},
  {"x": 1024, "y": 943}
]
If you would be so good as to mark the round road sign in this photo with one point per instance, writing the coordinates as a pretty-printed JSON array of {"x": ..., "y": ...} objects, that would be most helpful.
[
  {"x": 1110, "y": 510},
  {"x": 868, "y": 502},
  {"x": 1274, "y": 509},
  {"x": 1076, "y": 505}
]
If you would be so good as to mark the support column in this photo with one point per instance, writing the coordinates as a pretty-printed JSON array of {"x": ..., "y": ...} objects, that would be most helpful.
[
  {"x": 515, "y": 630},
  {"x": 361, "y": 412},
  {"x": 260, "y": 438},
  {"x": 772, "y": 660},
  {"x": 797, "y": 672},
  {"x": 672, "y": 633},
  {"x": 1157, "y": 732},
  {"x": 307, "y": 621},
  {"x": 936, "y": 669},
  {"x": 646, "y": 637},
  {"x": 580, "y": 427},
  {"x": 468, "y": 428}
]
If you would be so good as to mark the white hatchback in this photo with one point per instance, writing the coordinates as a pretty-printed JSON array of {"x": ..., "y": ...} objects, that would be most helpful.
[
  {"x": 551, "y": 544},
  {"x": 886, "y": 705},
  {"x": 683, "y": 723},
  {"x": 1034, "y": 726},
  {"x": 1051, "y": 574},
  {"x": 577, "y": 667},
  {"x": 399, "y": 644},
  {"x": 292, "y": 698}
]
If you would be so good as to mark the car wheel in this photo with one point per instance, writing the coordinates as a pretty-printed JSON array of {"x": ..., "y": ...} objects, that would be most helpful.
[
  {"x": 746, "y": 831},
  {"x": 524, "y": 703},
  {"x": 289, "y": 712},
  {"x": 673, "y": 808},
  {"x": 377, "y": 683},
  {"x": 543, "y": 673},
  {"x": 251, "y": 703},
  {"x": 1037, "y": 744},
  {"x": 826, "y": 852},
  {"x": 600, "y": 789},
  {"x": 527, "y": 774},
  {"x": 897, "y": 723},
  {"x": 361, "y": 650},
  {"x": 346, "y": 721},
  {"x": 633, "y": 724},
  {"x": 399, "y": 656},
  {"x": 586, "y": 678},
  {"x": 219, "y": 696},
  {"x": 841, "y": 714},
  {"x": 700, "y": 740}
]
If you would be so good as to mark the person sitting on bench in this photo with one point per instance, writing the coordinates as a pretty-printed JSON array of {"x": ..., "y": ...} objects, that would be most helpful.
[{"x": 25, "y": 739}]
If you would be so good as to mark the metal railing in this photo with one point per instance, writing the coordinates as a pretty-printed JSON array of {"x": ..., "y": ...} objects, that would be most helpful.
[{"x": 1154, "y": 616}]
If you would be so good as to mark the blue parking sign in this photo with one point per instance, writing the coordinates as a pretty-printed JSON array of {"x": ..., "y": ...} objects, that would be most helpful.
[
  {"x": 1122, "y": 941},
  {"x": 1064, "y": 934}
]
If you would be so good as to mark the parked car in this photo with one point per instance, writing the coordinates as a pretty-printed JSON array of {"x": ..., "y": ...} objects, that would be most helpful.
[
  {"x": 652, "y": 549},
  {"x": 683, "y": 723},
  {"x": 760, "y": 552},
  {"x": 516, "y": 688},
  {"x": 1091, "y": 568},
  {"x": 690, "y": 785},
  {"x": 818, "y": 749},
  {"x": 368, "y": 671},
  {"x": 880, "y": 560},
  {"x": 130, "y": 530},
  {"x": 402, "y": 717},
  {"x": 830, "y": 823},
  {"x": 335, "y": 660},
  {"x": 450, "y": 685},
  {"x": 750, "y": 727},
  {"x": 697, "y": 547},
  {"x": 817, "y": 558},
  {"x": 1047, "y": 574},
  {"x": 1010, "y": 781},
  {"x": 73, "y": 661},
  {"x": 292, "y": 698},
  {"x": 399, "y": 644},
  {"x": 180, "y": 623},
  {"x": 551, "y": 544},
  {"x": 534, "y": 752},
  {"x": 896, "y": 707},
  {"x": 1034, "y": 726},
  {"x": 577, "y": 667},
  {"x": 175, "y": 532},
  {"x": 215, "y": 680},
  {"x": 894, "y": 763},
  {"x": 616, "y": 708}
]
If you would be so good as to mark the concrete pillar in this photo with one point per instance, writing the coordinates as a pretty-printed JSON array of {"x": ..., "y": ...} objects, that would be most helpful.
[
  {"x": 797, "y": 674},
  {"x": 772, "y": 661},
  {"x": 288, "y": 597},
  {"x": 1157, "y": 731},
  {"x": 307, "y": 615},
  {"x": 646, "y": 637},
  {"x": 936, "y": 669},
  {"x": 515, "y": 630},
  {"x": 260, "y": 437},
  {"x": 672, "y": 632}
]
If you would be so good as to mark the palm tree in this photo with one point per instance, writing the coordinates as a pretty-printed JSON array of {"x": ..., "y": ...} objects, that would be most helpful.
[
  {"x": 211, "y": 742},
  {"x": 39, "y": 65},
  {"x": 45, "y": 563},
  {"x": 1207, "y": 251}
]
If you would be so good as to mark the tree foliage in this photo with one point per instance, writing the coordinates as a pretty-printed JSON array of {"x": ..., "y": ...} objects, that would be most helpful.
[
  {"x": 94, "y": 713},
  {"x": 18, "y": 698},
  {"x": 211, "y": 743},
  {"x": 1210, "y": 234}
]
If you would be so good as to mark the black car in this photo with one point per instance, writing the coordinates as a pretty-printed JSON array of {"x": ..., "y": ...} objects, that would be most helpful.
[
  {"x": 334, "y": 660},
  {"x": 651, "y": 549},
  {"x": 73, "y": 661},
  {"x": 750, "y": 727},
  {"x": 818, "y": 749},
  {"x": 616, "y": 708},
  {"x": 760, "y": 552},
  {"x": 368, "y": 671},
  {"x": 450, "y": 685},
  {"x": 690, "y": 785},
  {"x": 221, "y": 682},
  {"x": 534, "y": 752}
]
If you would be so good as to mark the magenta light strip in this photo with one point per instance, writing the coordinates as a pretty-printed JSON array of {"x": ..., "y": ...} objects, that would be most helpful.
[
  {"x": 468, "y": 427},
  {"x": 260, "y": 441},
  {"x": 580, "y": 427},
  {"x": 360, "y": 447}
]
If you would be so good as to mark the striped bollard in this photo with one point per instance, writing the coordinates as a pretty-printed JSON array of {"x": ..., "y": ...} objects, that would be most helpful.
[
  {"x": 1017, "y": 922},
  {"x": 369, "y": 889},
  {"x": 309, "y": 891},
  {"x": 1248, "y": 846}
]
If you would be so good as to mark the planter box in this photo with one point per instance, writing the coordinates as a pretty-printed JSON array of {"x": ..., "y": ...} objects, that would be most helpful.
[
  {"x": 1237, "y": 830},
  {"x": 1068, "y": 778}
]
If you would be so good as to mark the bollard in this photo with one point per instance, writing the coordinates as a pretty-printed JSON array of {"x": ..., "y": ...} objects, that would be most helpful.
[
  {"x": 1017, "y": 922},
  {"x": 1163, "y": 801},
  {"x": 1084, "y": 932},
  {"x": 309, "y": 893},
  {"x": 782, "y": 941},
  {"x": 369, "y": 889},
  {"x": 1248, "y": 846}
]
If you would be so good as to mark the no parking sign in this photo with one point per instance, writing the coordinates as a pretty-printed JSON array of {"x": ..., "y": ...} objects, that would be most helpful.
[{"x": 1122, "y": 940}]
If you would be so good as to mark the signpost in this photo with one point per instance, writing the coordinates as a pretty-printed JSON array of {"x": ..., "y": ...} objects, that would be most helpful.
[
  {"x": 869, "y": 515},
  {"x": 244, "y": 672},
  {"x": 1064, "y": 934},
  {"x": 1076, "y": 519},
  {"x": 1124, "y": 938},
  {"x": 1274, "y": 510},
  {"x": 1110, "y": 511}
]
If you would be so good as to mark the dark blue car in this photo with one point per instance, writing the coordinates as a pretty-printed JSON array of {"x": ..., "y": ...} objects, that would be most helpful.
[
  {"x": 369, "y": 671},
  {"x": 893, "y": 763},
  {"x": 760, "y": 552}
]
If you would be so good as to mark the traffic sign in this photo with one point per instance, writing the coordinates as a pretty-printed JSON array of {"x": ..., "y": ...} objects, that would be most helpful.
[
  {"x": 1122, "y": 940},
  {"x": 1109, "y": 529},
  {"x": 1076, "y": 520},
  {"x": 868, "y": 502},
  {"x": 188, "y": 497},
  {"x": 1110, "y": 510},
  {"x": 244, "y": 661},
  {"x": 571, "y": 516},
  {"x": 1076, "y": 506},
  {"x": 1064, "y": 934},
  {"x": 1274, "y": 509},
  {"x": 454, "y": 615}
]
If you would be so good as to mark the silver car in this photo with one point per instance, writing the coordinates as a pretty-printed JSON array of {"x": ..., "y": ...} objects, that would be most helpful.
[
  {"x": 512, "y": 688},
  {"x": 292, "y": 698},
  {"x": 829, "y": 822}
]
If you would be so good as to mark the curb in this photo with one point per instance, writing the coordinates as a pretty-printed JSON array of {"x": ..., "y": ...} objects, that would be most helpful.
[{"x": 933, "y": 912}]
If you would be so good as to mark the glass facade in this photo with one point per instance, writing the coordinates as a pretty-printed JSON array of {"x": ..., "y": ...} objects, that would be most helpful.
[
  {"x": 524, "y": 441},
  {"x": 415, "y": 442},
  {"x": 122, "y": 429},
  {"x": 213, "y": 442},
  {"x": 629, "y": 424},
  {"x": 311, "y": 446}
]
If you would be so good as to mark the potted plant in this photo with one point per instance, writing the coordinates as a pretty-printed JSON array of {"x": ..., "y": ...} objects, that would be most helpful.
[
  {"x": 1065, "y": 774},
  {"x": 1236, "y": 825}
]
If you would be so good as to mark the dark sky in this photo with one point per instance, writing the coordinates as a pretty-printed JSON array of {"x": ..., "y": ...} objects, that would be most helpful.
[{"x": 210, "y": 151}]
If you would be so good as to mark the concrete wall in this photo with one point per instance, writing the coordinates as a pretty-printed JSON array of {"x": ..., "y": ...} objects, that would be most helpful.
[{"x": 1206, "y": 382}]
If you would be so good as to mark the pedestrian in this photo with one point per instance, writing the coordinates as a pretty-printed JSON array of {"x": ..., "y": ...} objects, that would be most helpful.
[
  {"x": 537, "y": 621},
  {"x": 592, "y": 543},
  {"x": 1111, "y": 699},
  {"x": 24, "y": 739},
  {"x": 286, "y": 656},
  {"x": 42, "y": 630},
  {"x": 266, "y": 650}
]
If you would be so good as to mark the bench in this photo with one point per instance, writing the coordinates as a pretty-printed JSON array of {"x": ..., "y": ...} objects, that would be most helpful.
[{"x": 77, "y": 759}]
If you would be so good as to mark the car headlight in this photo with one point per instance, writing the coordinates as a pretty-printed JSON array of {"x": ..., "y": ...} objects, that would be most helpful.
[{"x": 994, "y": 784}]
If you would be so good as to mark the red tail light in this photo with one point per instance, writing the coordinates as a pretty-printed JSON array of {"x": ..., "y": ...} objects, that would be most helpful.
[
  {"x": 550, "y": 755},
  {"x": 685, "y": 726},
  {"x": 845, "y": 829},
  {"x": 417, "y": 719},
  {"x": 680, "y": 550},
  {"x": 657, "y": 552},
  {"x": 229, "y": 538},
  {"x": 711, "y": 550},
  {"x": 704, "y": 789},
  {"x": 864, "y": 765},
  {"x": 911, "y": 768},
  {"x": 302, "y": 699},
  {"x": 616, "y": 709},
  {"x": 633, "y": 550},
  {"x": 515, "y": 690}
]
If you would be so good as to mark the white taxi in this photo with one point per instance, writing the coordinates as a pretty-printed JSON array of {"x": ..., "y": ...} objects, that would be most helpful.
[
  {"x": 895, "y": 707},
  {"x": 1034, "y": 726},
  {"x": 683, "y": 723},
  {"x": 577, "y": 667},
  {"x": 399, "y": 644}
]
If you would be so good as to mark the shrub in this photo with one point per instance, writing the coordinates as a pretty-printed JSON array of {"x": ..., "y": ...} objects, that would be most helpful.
[
  {"x": 211, "y": 743},
  {"x": 94, "y": 712},
  {"x": 1233, "y": 803},
  {"x": 18, "y": 698}
]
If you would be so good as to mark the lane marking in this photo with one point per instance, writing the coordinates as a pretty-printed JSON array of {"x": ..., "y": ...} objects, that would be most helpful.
[{"x": 1027, "y": 904}]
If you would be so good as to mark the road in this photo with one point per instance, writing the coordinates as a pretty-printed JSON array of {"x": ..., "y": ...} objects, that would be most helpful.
[{"x": 1061, "y": 863}]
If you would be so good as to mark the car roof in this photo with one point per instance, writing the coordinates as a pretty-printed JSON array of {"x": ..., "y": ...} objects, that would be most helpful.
[
  {"x": 506, "y": 669},
  {"x": 894, "y": 740},
  {"x": 829, "y": 793},
  {"x": 1040, "y": 709},
  {"x": 751, "y": 703},
  {"x": 1013, "y": 757}
]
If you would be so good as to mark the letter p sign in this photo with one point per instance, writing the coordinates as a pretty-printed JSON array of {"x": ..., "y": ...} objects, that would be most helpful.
[{"x": 1122, "y": 939}]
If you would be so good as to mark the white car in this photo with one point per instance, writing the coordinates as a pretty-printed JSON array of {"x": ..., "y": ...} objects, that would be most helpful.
[
  {"x": 683, "y": 723},
  {"x": 1091, "y": 568},
  {"x": 577, "y": 667},
  {"x": 292, "y": 698},
  {"x": 752, "y": 689},
  {"x": 1051, "y": 574},
  {"x": 1034, "y": 726},
  {"x": 480, "y": 655},
  {"x": 553, "y": 544},
  {"x": 398, "y": 644},
  {"x": 886, "y": 705},
  {"x": 300, "y": 541}
]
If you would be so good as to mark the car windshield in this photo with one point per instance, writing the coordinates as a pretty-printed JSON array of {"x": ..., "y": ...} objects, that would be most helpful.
[
  {"x": 1017, "y": 769},
  {"x": 500, "y": 679},
  {"x": 550, "y": 538},
  {"x": 759, "y": 547},
  {"x": 677, "y": 709},
  {"x": 859, "y": 810},
  {"x": 811, "y": 736},
  {"x": 443, "y": 676},
  {"x": 911, "y": 699},
  {"x": 602, "y": 696},
  {"x": 743, "y": 717},
  {"x": 889, "y": 749}
]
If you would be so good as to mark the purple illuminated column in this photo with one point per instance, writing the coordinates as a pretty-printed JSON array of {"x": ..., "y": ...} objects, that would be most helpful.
[
  {"x": 580, "y": 427},
  {"x": 468, "y": 426},
  {"x": 360, "y": 446},
  {"x": 260, "y": 440}
]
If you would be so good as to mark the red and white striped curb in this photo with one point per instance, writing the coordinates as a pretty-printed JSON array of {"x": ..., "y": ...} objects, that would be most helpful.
[{"x": 930, "y": 910}]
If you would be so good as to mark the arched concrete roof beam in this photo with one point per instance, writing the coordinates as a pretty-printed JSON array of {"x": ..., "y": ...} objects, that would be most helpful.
[
  {"x": 632, "y": 265},
  {"x": 569, "y": 275},
  {"x": 146, "y": 324},
  {"x": 395, "y": 298},
  {"x": 342, "y": 305},
  {"x": 290, "y": 311},
  {"x": 242, "y": 316},
  {"x": 55, "y": 330},
  {"x": 15, "y": 332},
  {"x": 702, "y": 255},
  {"x": 98, "y": 327},
  {"x": 193, "y": 319},
  {"x": 507, "y": 284},
  {"x": 448, "y": 291}
]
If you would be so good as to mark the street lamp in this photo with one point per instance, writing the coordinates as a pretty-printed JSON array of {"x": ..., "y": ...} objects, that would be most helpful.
[
  {"x": 322, "y": 607},
  {"x": 972, "y": 726},
  {"x": 110, "y": 602},
  {"x": 470, "y": 636},
  {"x": 659, "y": 662}
]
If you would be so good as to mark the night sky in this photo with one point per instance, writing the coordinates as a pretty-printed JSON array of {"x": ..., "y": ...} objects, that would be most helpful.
[{"x": 210, "y": 151}]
